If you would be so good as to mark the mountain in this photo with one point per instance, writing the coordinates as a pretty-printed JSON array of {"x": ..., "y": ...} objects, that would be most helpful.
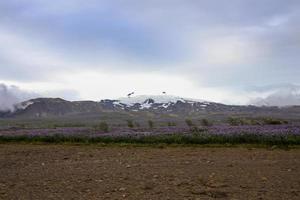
[{"x": 157, "y": 105}]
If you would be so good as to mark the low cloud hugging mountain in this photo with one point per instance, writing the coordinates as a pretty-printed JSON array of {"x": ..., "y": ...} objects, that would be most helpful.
[
  {"x": 11, "y": 95},
  {"x": 282, "y": 95}
]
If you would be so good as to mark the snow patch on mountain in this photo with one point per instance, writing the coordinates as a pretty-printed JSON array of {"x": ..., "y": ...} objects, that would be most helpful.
[
  {"x": 117, "y": 103},
  {"x": 23, "y": 105},
  {"x": 147, "y": 104},
  {"x": 155, "y": 102},
  {"x": 161, "y": 99},
  {"x": 166, "y": 105}
]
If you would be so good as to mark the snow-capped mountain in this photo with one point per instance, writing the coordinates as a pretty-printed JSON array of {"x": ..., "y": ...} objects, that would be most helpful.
[
  {"x": 159, "y": 104},
  {"x": 156, "y": 98},
  {"x": 153, "y": 102}
]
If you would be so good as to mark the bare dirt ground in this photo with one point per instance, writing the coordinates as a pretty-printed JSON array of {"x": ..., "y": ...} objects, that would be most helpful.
[{"x": 94, "y": 172}]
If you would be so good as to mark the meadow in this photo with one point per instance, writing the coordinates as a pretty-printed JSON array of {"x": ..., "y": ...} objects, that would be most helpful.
[{"x": 151, "y": 132}]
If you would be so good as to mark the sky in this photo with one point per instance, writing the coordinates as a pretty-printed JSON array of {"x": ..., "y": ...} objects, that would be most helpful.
[{"x": 229, "y": 51}]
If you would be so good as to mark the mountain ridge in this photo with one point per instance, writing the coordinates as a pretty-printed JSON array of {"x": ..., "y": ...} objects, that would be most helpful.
[{"x": 163, "y": 104}]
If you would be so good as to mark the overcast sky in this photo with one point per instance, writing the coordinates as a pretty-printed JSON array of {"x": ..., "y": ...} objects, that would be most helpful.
[{"x": 230, "y": 51}]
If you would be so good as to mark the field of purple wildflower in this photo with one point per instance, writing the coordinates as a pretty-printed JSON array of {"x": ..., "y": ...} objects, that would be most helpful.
[{"x": 244, "y": 133}]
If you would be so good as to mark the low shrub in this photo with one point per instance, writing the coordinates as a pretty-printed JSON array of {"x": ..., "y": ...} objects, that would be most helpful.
[
  {"x": 189, "y": 122},
  {"x": 150, "y": 123},
  {"x": 196, "y": 138},
  {"x": 130, "y": 123},
  {"x": 171, "y": 124},
  {"x": 103, "y": 126},
  {"x": 272, "y": 121},
  {"x": 205, "y": 122}
]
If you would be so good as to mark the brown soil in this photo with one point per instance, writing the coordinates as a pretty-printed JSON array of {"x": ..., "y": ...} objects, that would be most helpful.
[{"x": 95, "y": 172}]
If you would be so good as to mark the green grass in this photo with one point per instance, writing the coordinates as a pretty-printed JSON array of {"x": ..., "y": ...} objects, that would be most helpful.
[{"x": 202, "y": 139}]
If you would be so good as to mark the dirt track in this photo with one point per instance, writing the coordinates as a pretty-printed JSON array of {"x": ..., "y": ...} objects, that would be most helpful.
[{"x": 93, "y": 172}]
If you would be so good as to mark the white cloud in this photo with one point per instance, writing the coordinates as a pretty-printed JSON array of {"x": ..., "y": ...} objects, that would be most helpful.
[
  {"x": 11, "y": 95},
  {"x": 198, "y": 49},
  {"x": 96, "y": 85},
  {"x": 281, "y": 95},
  {"x": 226, "y": 51},
  {"x": 278, "y": 20}
]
